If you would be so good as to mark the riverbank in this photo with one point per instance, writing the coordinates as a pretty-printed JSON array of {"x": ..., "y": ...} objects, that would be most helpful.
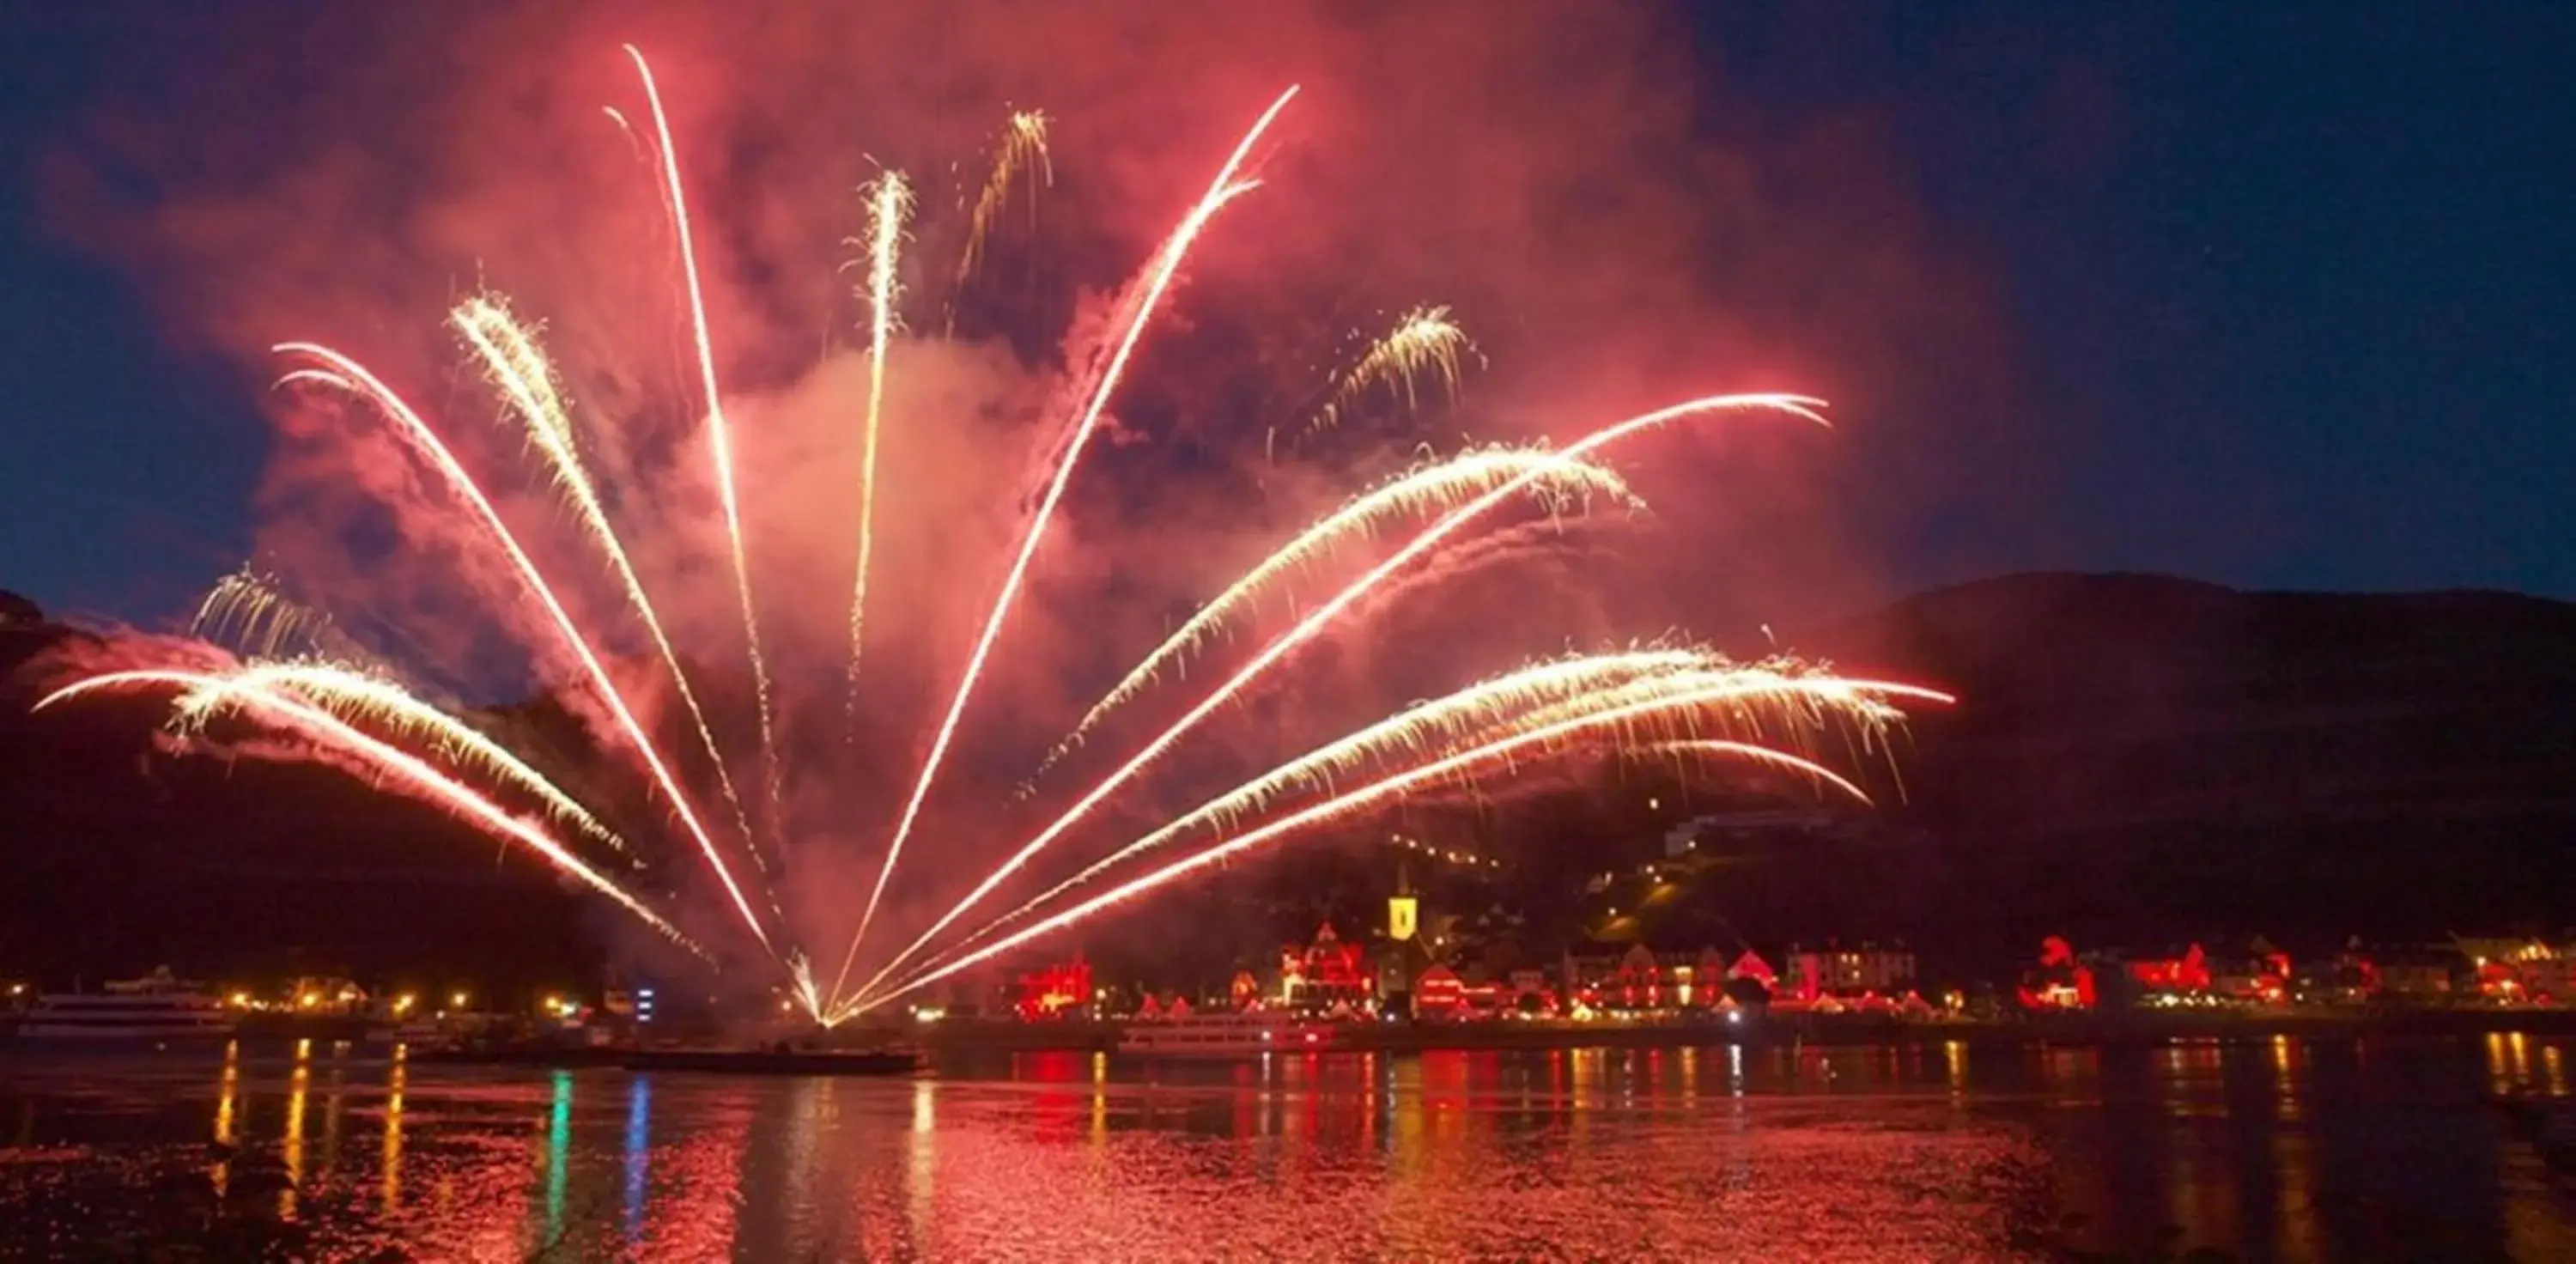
[
  {"x": 2154, "y": 1028},
  {"x": 971, "y": 1036}
]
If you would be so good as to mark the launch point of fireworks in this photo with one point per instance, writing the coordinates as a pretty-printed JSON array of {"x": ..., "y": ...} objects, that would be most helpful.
[
  {"x": 1225, "y": 188},
  {"x": 297, "y": 684}
]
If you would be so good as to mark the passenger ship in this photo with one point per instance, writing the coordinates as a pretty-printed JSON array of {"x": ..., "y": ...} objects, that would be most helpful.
[
  {"x": 154, "y": 1010},
  {"x": 1232, "y": 1035}
]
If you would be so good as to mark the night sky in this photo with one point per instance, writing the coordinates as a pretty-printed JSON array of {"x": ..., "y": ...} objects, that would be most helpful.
[{"x": 2288, "y": 286}]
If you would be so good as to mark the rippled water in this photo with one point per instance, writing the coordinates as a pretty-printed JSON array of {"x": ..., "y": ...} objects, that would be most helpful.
[{"x": 2280, "y": 1150}]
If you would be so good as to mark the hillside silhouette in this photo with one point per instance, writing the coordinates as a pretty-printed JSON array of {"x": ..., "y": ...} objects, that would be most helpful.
[{"x": 2134, "y": 759}]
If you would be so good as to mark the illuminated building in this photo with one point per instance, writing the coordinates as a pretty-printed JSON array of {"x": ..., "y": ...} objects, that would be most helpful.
[
  {"x": 1325, "y": 972},
  {"x": 2060, "y": 982},
  {"x": 1640, "y": 979},
  {"x": 327, "y": 996},
  {"x": 1439, "y": 994},
  {"x": 2183, "y": 973},
  {"x": 1868, "y": 970},
  {"x": 1055, "y": 991},
  {"x": 2521, "y": 971},
  {"x": 2424, "y": 974},
  {"x": 2261, "y": 975},
  {"x": 1752, "y": 966}
]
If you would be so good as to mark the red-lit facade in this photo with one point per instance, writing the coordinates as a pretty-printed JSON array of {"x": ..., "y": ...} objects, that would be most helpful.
[{"x": 1055, "y": 992}]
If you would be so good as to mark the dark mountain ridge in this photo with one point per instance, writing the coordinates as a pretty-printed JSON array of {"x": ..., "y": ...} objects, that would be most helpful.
[
  {"x": 2139, "y": 758},
  {"x": 2133, "y": 759}
]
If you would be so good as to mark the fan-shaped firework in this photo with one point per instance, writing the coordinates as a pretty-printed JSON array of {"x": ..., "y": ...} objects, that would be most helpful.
[{"x": 300, "y": 679}]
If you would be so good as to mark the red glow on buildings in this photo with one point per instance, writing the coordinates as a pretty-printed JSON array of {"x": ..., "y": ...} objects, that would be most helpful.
[
  {"x": 1438, "y": 993},
  {"x": 1055, "y": 991},
  {"x": 2186, "y": 973},
  {"x": 1325, "y": 971}
]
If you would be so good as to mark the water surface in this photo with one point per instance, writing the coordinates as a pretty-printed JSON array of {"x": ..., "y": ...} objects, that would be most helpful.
[{"x": 2279, "y": 1150}]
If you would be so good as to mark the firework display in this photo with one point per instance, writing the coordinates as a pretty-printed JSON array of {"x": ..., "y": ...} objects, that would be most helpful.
[{"x": 305, "y": 685}]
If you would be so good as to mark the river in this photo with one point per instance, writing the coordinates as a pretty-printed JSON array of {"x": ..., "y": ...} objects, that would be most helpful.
[{"x": 2270, "y": 1150}]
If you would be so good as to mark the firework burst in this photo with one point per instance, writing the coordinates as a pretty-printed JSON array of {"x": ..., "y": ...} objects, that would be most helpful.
[
  {"x": 301, "y": 680},
  {"x": 1022, "y": 151},
  {"x": 1426, "y": 347}
]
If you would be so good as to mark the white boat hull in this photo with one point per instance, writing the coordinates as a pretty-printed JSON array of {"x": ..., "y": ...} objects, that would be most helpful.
[{"x": 1223, "y": 1039}]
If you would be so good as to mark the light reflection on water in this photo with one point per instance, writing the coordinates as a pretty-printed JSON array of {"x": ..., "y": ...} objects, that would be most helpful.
[{"x": 2275, "y": 1149}]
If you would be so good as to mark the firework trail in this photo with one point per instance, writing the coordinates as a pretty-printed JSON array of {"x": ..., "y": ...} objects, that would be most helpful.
[
  {"x": 357, "y": 696},
  {"x": 207, "y": 693},
  {"x": 1626, "y": 691},
  {"x": 719, "y": 433},
  {"x": 518, "y": 367},
  {"x": 246, "y": 611},
  {"x": 890, "y": 200},
  {"x": 1314, "y": 623},
  {"x": 1549, "y": 738},
  {"x": 1780, "y": 697},
  {"x": 1426, "y": 489},
  {"x": 346, "y": 374},
  {"x": 1225, "y": 188},
  {"x": 1023, "y": 148},
  {"x": 1426, "y": 343},
  {"x": 1416, "y": 732},
  {"x": 1766, "y": 755}
]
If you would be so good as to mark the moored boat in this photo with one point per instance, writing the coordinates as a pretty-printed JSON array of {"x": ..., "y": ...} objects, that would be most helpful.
[
  {"x": 155, "y": 1010},
  {"x": 1230, "y": 1035}
]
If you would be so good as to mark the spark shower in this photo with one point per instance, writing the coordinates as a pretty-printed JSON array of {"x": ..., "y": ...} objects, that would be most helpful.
[{"x": 287, "y": 672}]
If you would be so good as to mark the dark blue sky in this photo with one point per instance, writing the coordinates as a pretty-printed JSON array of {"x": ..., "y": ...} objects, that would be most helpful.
[{"x": 2291, "y": 284}]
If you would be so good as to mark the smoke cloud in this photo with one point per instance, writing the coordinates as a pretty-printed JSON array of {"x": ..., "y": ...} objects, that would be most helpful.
[{"x": 1567, "y": 178}]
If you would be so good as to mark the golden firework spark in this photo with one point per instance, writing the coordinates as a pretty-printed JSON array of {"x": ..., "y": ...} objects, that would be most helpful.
[
  {"x": 1428, "y": 488},
  {"x": 1023, "y": 149},
  {"x": 1425, "y": 346},
  {"x": 384, "y": 705},
  {"x": 519, "y": 369},
  {"x": 246, "y": 611},
  {"x": 1778, "y": 699},
  {"x": 889, "y": 201}
]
